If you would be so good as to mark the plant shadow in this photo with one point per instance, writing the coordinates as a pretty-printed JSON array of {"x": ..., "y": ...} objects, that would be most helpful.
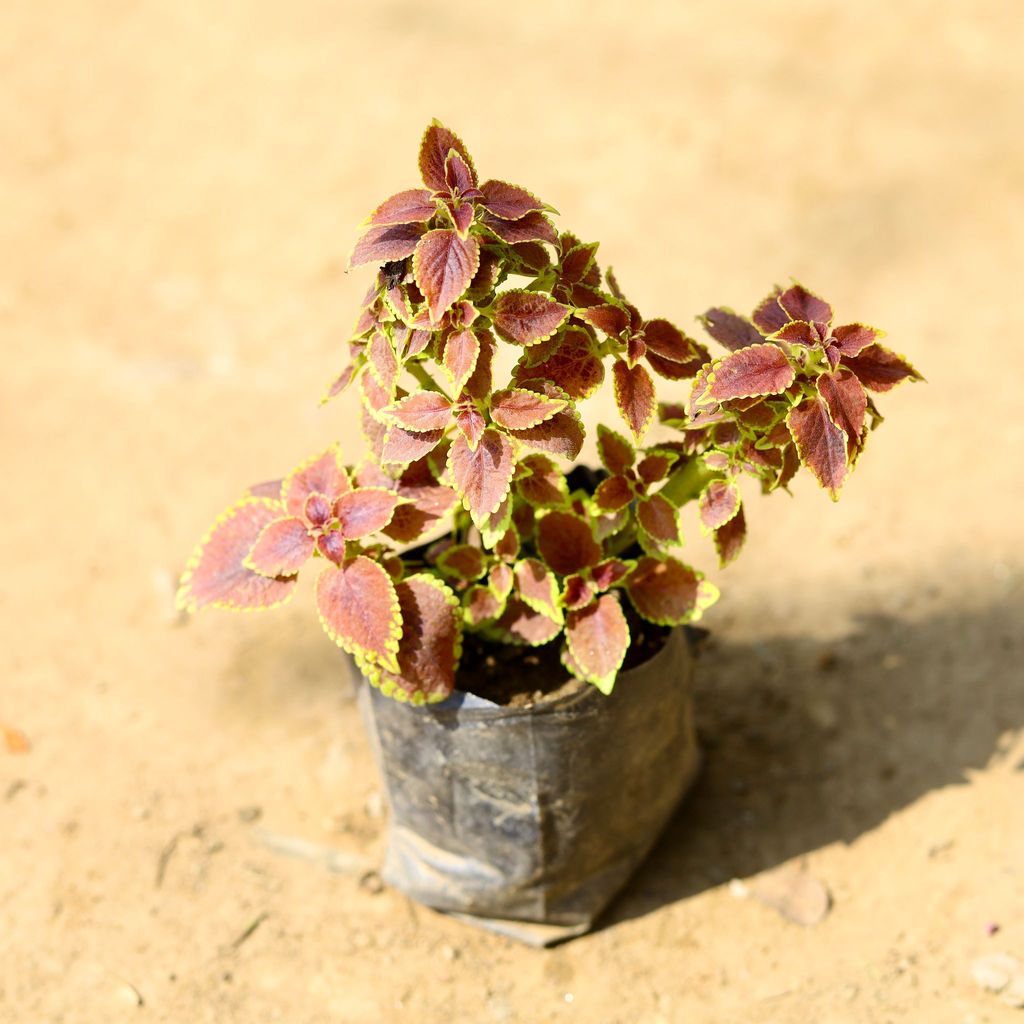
[{"x": 807, "y": 744}]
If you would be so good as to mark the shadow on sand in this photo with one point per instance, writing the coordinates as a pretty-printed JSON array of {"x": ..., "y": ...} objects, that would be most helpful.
[{"x": 808, "y": 744}]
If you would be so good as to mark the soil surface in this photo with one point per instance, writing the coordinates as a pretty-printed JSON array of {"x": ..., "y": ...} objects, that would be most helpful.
[{"x": 190, "y": 818}]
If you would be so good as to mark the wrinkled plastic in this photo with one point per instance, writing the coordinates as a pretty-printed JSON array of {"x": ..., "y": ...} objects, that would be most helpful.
[{"x": 530, "y": 820}]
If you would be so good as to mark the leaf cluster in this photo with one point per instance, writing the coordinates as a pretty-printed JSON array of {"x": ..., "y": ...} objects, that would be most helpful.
[{"x": 460, "y": 516}]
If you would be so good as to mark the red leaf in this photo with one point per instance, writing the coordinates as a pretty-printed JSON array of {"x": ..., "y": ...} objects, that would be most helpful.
[
  {"x": 847, "y": 404},
  {"x": 609, "y": 319},
  {"x": 880, "y": 369},
  {"x": 544, "y": 486},
  {"x": 615, "y": 452},
  {"x": 519, "y": 409},
  {"x": 538, "y": 587},
  {"x": 461, "y": 352},
  {"x": 471, "y": 422},
  {"x": 769, "y": 315},
  {"x": 753, "y": 371},
  {"x": 800, "y": 304},
  {"x": 413, "y": 206},
  {"x": 524, "y": 318},
  {"x": 799, "y": 332},
  {"x": 457, "y": 174},
  {"x": 383, "y": 243},
  {"x": 852, "y": 339},
  {"x": 404, "y": 446},
  {"x": 614, "y": 493},
  {"x": 281, "y": 549},
  {"x": 434, "y": 148},
  {"x": 509, "y": 202},
  {"x": 425, "y": 505},
  {"x": 480, "y": 605},
  {"x": 609, "y": 572},
  {"x": 359, "y": 609},
  {"x": 462, "y": 220},
  {"x": 634, "y": 396},
  {"x": 428, "y": 653},
  {"x": 365, "y": 511},
  {"x": 424, "y": 411},
  {"x": 267, "y": 489},
  {"x": 501, "y": 579},
  {"x": 482, "y": 477},
  {"x": 321, "y": 474},
  {"x": 479, "y": 384},
  {"x": 382, "y": 362},
  {"x": 534, "y": 227},
  {"x": 566, "y": 542},
  {"x": 578, "y": 592},
  {"x": 573, "y": 366},
  {"x": 560, "y": 435},
  {"x": 520, "y": 624},
  {"x": 820, "y": 443},
  {"x": 463, "y": 561},
  {"x": 659, "y": 518},
  {"x": 443, "y": 266},
  {"x": 729, "y": 538},
  {"x": 719, "y": 502},
  {"x": 667, "y": 592},
  {"x": 655, "y": 467},
  {"x": 598, "y": 639},
  {"x": 666, "y": 340},
  {"x": 728, "y": 329},
  {"x": 216, "y": 574}
]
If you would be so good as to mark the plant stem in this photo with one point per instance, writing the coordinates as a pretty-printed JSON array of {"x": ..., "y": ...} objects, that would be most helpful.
[
  {"x": 419, "y": 371},
  {"x": 686, "y": 484}
]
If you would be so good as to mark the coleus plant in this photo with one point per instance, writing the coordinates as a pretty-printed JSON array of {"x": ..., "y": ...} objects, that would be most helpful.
[{"x": 459, "y": 516}]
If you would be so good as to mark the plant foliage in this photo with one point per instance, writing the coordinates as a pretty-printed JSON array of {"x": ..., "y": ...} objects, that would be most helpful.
[{"x": 459, "y": 516}]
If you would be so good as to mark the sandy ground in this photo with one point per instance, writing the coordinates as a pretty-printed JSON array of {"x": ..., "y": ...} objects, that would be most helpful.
[{"x": 180, "y": 184}]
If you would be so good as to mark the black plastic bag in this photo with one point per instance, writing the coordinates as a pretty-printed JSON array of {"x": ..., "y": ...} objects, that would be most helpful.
[{"x": 530, "y": 820}]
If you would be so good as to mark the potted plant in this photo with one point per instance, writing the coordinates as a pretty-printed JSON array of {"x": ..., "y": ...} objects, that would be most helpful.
[{"x": 531, "y": 611}]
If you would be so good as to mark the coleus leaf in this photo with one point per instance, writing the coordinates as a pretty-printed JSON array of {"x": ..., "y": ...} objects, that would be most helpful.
[
  {"x": 611, "y": 571},
  {"x": 507, "y": 548},
  {"x": 360, "y": 611},
  {"x": 666, "y": 340},
  {"x": 538, "y": 588},
  {"x": 462, "y": 220},
  {"x": 729, "y": 538},
  {"x": 509, "y": 202},
  {"x": 435, "y": 146},
  {"x": 613, "y": 493},
  {"x": 669, "y": 593},
  {"x": 525, "y": 318},
  {"x": 800, "y": 304},
  {"x": 216, "y": 574},
  {"x": 383, "y": 364},
  {"x": 403, "y": 446},
  {"x": 365, "y": 511},
  {"x": 443, "y": 265},
  {"x": 655, "y": 466},
  {"x": 320, "y": 474},
  {"x": 598, "y": 639},
  {"x": 563, "y": 433},
  {"x": 458, "y": 175},
  {"x": 751, "y": 372},
  {"x": 463, "y": 562},
  {"x": 540, "y": 482},
  {"x": 425, "y": 504},
  {"x": 461, "y": 351},
  {"x": 501, "y": 580},
  {"x": 520, "y": 624},
  {"x": 610, "y": 319},
  {"x": 634, "y": 396},
  {"x": 820, "y": 443},
  {"x": 718, "y": 503},
  {"x": 413, "y": 206},
  {"x": 520, "y": 409},
  {"x": 615, "y": 452},
  {"x": 573, "y": 365},
  {"x": 282, "y": 548},
  {"x": 480, "y": 604},
  {"x": 799, "y": 332},
  {"x": 659, "y": 518},
  {"x": 482, "y": 477},
  {"x": 431, "y": 642},
  {"x": 471, "y": 423},
  {"x": 728, "y": 329},
  {"x": 769, "y": 316},
  {"x": 852, "y": 339},
  {"x": 478, "y": 385},
  {"x": 566, "y": 542},
  {"x": 534, "y": 227},
  {"x": 423, "y": 411},
  {"x": 847, "y": 404},
  {"x": 579, "y": 591},
  {"x": 383, "y": 243},
  {"x": 267, "y": 489},
  {"x": 880, "y": 369}
]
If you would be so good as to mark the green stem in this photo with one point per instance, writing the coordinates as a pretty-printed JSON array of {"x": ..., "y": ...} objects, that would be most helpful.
[{"x": 686, "y": 483}]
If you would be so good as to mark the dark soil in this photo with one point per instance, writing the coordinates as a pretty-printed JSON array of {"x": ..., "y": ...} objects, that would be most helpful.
[{"x": 522, "y": 676}]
